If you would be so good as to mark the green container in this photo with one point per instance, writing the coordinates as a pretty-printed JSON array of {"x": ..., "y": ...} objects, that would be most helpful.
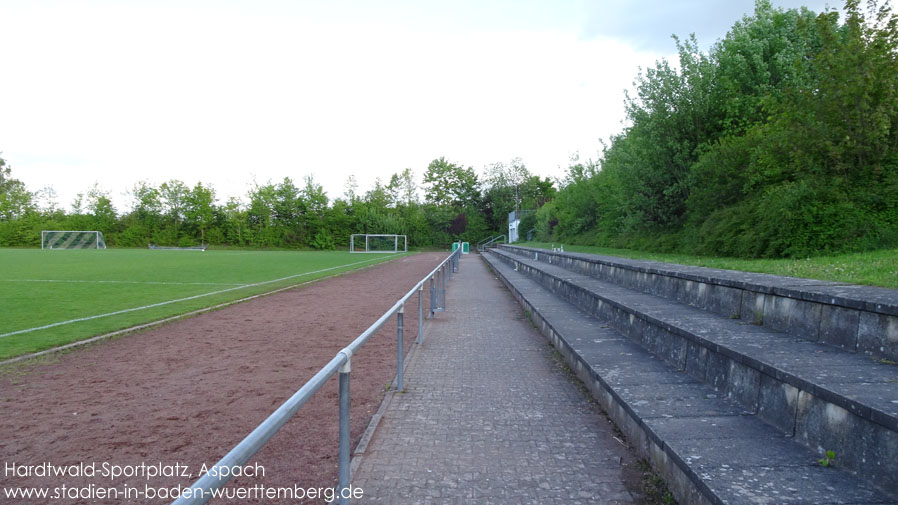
[
  {"x": 455, "y": 246},
  {"x": 465, "y": 248}
]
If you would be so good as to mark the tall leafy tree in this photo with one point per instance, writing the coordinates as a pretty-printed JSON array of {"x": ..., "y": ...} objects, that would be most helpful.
[
  {"x": 235, "y": 221},
  {"x": 146, "y": 201},
  {"x": 199, "y": 209},
  {"x": 15, "y": 199},
  {"x": 173, "y": 196},
  {"x": 351, "y": 188},
  {"x": 510, "y": 186},
  {"x": 316, "y": 201},
  {"x": 314, "y": 195},
  {"x": 403, "y": 188},
  {"x": 380, "y": 197},
  {"x": 288, "y": 209},
  {"x": 259, "y": 215},
  {"x": 449, "y": 185},
  {"x": 756, "y": 62},
  {"x": 104, "y": 215},
  {"x": 825, "y": 172},
  {"x": 672, "y": 114},
  {"x": 782, "y": 140}
]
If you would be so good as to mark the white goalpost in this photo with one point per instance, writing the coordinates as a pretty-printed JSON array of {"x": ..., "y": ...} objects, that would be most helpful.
[
  {"x": 377, "y": 243},
  {"x": 72, "y": 239}
]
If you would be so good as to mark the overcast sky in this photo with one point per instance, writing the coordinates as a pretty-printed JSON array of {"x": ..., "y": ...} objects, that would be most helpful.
[{"x": 230, "y": 92}]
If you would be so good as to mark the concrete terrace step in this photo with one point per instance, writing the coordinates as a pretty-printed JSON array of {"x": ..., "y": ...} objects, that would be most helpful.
[
  {"x": 820, "y": 395},
  {"x": 856, "y": 318},
  {"x": 852, "y": 381}
]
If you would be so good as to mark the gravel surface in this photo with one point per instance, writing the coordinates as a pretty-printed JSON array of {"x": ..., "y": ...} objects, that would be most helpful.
[{"x": 184, "y": 394}]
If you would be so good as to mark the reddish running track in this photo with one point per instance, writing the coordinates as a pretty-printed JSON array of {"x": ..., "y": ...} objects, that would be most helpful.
[{"x": 184, "y": 394}]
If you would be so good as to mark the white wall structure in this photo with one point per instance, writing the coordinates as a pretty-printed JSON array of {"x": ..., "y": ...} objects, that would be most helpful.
[{"x": 514, "y": 222}]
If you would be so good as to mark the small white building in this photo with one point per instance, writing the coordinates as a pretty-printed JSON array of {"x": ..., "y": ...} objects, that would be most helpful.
[
  {"x": 514, "y": 222},
  {"x": 514, "y": 225}
]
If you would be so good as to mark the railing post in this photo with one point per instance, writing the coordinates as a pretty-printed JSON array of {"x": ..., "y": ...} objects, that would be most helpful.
[
  {"x": 421, "y": 314},
  {"x": 439, "y": 288},
  {"x": 344, "y": 461},
  {"x": 433, "y": 300},
  {"x": 443, "y": 294},
  {"x": 399, "y": 358}
]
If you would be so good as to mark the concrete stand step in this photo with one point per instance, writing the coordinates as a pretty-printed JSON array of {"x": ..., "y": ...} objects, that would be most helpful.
[
  {"x": 713, "y": 402},
  {"x": 856, "y": 318}
]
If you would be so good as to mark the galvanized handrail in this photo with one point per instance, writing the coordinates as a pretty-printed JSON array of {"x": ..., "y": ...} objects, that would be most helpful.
[
  {"x": 483, "y": 241},
  {"x": 483, "y": 244},
  {"x": 201, "y": 490}
]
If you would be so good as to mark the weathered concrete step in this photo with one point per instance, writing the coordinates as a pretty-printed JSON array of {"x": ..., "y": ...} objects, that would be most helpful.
[
  {"x": 857, "y": 318},
  {"x": 709, "y": 448},
  {"x": 852, "y": 381},
  {"x": 827, "y": 398}
]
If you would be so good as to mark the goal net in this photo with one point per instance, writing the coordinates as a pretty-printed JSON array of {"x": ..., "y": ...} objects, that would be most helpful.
[
  {"x": 68, "y": 239},
  {"x": 377, "y": 243}
]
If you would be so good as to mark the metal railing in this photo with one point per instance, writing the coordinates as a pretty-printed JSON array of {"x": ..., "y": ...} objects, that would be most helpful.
[
  {"x": 483, "y": 244},
  {"x": 202, "y": 490}
]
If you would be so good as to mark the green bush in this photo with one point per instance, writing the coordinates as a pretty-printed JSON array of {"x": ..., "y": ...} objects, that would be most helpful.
[
  {"x": 323, "y": 241},
  {"x": 133, "y": 236}
]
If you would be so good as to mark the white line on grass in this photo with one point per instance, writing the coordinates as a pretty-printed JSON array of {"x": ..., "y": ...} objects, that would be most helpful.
[
  {"x": 130, "y": 282},
  {"x": 53, "y": 325},
  {"x": 158, "y": 322}
]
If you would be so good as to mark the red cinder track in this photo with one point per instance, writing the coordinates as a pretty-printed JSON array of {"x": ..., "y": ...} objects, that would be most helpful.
[{"x": 187, "y": 392}]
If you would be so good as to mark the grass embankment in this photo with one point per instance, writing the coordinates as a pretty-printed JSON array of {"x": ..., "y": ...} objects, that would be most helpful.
[
  {"x": 51, "y": 298},
  {"x": 876, "y": 268}
]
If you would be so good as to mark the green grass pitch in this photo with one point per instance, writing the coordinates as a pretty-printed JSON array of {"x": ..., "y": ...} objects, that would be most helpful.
[{"x": 51, "y": 298}]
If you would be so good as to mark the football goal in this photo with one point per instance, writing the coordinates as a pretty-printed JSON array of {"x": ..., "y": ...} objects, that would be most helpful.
[
  {"x": 377, "y": 243},
  {"x": 69, "y": 239}
]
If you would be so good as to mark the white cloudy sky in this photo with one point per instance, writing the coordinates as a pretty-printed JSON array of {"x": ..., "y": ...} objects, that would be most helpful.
[{"x": 228, "y": 92}]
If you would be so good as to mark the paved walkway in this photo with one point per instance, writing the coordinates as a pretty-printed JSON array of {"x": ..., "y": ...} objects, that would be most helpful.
[{"x": 489, "y": 415}]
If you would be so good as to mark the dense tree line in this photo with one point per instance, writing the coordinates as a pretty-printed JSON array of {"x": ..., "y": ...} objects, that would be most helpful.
[
  {"x": 782, "y": 140},
  {"x": 457, "y": 204}
]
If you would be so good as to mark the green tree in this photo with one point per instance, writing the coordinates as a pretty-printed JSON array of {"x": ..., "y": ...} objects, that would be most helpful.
[
  {"x": 45, "y": 201},
  {"x": 146, "y": 201},
  {"x": 351, "y": 189},
  {"x": 450, "y": 185},
  {"x": 402, "y": 188},
  {"x": 316, "y": 202},
  {"x": 831, "y": 144},
  {"x": 260, "y": 216},
  {"x": 502, "y": 193},
  {"x": 104, "y": 214},
  {"x": 199, "y": 209},
  {"x": 756, "y": 65},
  {"x": 340, "y": 222},
  {"x": 234, "y": 226},
  {"x": 144, "y": 219},
  {"x": 288, "y": 213},
  {"x": 510, "y": 186},
  {"x": 172, "y": 196},
  {"x": 379, "y": 197},
  {"x": 756, "y": 62},
  {"x": 15, "y": 199},
  {"x": 782, "y": 140},
  {"x": 673, "y": 113},
  {"x": 314, "y": 195}
]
